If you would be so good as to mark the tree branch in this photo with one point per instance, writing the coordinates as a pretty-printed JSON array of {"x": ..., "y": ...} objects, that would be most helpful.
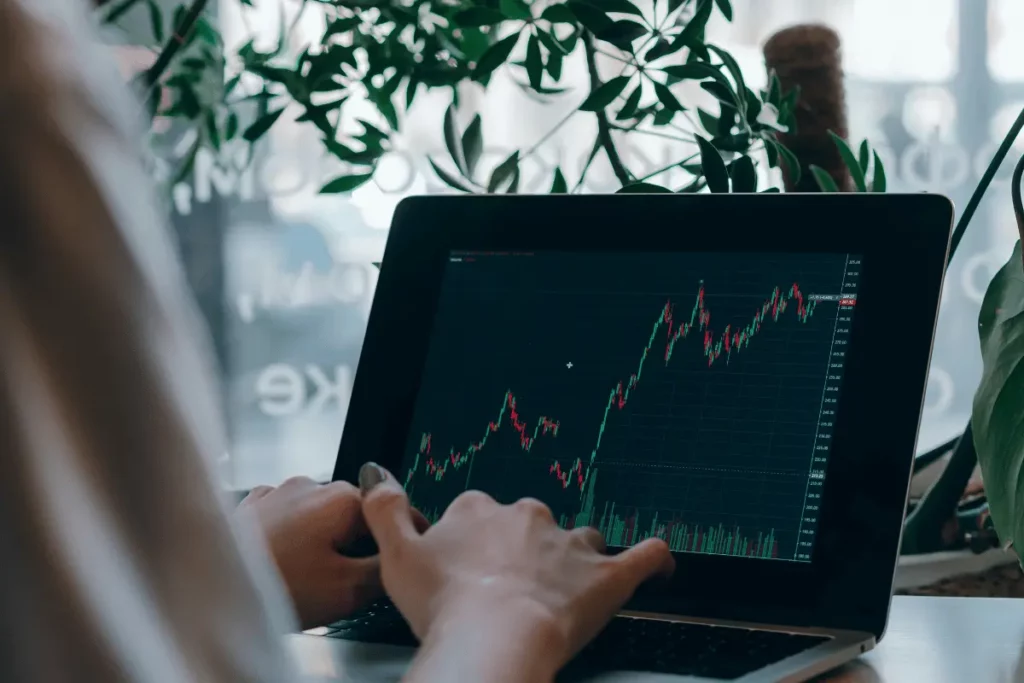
[{"x": 604, "y": 132}]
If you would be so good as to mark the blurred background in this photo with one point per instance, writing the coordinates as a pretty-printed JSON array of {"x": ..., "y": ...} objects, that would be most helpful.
[{"x": 285, "y": 276}]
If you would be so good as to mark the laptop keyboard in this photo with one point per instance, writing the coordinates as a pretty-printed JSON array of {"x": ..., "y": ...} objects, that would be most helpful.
[{"x": 626, "y": 644}]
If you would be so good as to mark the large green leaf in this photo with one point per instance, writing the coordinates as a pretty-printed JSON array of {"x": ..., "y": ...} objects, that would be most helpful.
[
  {"x": 998, "y": 417},
  {"x": 495, "y": 56},
  {"x": 605, "y": 95},
  {"x": 714, "y": 167},
  {"x": 851, "y": 162}
]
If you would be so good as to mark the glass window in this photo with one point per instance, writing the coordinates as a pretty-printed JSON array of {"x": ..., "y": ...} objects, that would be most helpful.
[{"x": 289, "y": 307}]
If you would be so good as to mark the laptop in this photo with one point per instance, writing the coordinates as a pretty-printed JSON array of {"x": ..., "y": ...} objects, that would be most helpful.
[{"x": 740, "y": 375}]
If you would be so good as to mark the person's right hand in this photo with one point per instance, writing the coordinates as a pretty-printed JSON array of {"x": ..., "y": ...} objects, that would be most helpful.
[{"x": 499, "y": 590}]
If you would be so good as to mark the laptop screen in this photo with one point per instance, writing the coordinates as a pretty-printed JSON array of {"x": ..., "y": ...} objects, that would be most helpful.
[{"x": 689, "y": 396}]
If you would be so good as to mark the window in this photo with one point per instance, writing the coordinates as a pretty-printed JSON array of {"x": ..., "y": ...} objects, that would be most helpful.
[{"x": 289, "y": 303}]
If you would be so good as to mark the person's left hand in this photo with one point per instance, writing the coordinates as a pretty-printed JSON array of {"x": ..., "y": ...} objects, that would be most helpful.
[{"x": 308, "y": 526}]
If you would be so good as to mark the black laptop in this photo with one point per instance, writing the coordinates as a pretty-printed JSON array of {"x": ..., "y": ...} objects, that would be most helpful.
[{"x": 740, "y": 375}]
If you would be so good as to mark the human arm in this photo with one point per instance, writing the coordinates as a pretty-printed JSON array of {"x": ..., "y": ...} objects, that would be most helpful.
[{"x": 495, "y": 592}]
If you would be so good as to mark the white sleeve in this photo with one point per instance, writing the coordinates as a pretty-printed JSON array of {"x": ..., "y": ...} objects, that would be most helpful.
[{"x": 118, "y": 561}]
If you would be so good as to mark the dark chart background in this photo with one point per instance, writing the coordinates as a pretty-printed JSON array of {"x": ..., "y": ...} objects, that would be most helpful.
[{"x": 531, "y": 354}]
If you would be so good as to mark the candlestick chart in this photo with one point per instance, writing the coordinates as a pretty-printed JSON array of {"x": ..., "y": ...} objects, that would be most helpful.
[{"x": 706, "y": 437}]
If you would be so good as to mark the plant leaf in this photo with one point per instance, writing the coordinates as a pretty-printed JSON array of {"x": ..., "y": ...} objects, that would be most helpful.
[
  {"x": 666, "y": 97},
  {"x": 156, "y": 21},
  {"x": 478, "y": 16},
  {"x": 231, "y": 126},
  {"x": 620, "y": 6},
  {"x": 558, "y": 14},
  {"x": 554, "y": 65},
  {"x": 771, "y": 149},
  {"x": 473, "y": 144},
  {"x": 118, "y": 11},
  {"x": 261, "y": 125},
  {"x": 345, "y": 183},
  {"x": 709, "y": 122},
  {"x": 878, "y": 181},
  {"x": 505, "y": 172},
  {"x": 628, "y": 110},
  {"x": 591, "y": 17},
  {"x": 998, "y": 407},
  {"x": 534, "y": 63},
  {"x": 864, "y": 156},
  {"x": 825, "y": 181},
  {"x": 558, "y": 185},
  {"x": 448, "y": 179},
  {"x": 713, "y": 166},
  {"x": 693, "y": 33},
  {"x": 850, "y": 160},
  {"x": 725, "y": 7},
  {"x": 721, "y": 93},
  {"x": 622, "y": 33},
  {"x": 737, "y": 75},
  {"x": 662, "y": 48},
  {"x": 643, "y": 188},
  {"x": 744, "y": 177},
  {"x": 791, "y": 162},
  {"x": 605, "y": 95},
  {"x": 453, "y": 141},
  {"x": 494, "y": 57},
  {"x": 515, "y": 9}
]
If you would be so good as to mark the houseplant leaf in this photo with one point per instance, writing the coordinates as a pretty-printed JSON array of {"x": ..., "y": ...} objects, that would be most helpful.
[
  {"x": 744, "y": 178},
  {"x": 494, "y": 57},
  {"x": 851, "y": 161},
  {"x": 605, "y": 95},
  {"x": 622, "y": 33},
  {"x": 259, "y": 127},
  {"x": 534, "y": 62},
  {"x": 453, "y": 141},
  {"x": 449, "y": 179},
  {"x": 998, "y": 414},
  {"x": 345, "y": 183},
  {"x": 558, "y": 185},
  {"x": 825, "y": 181},
  {"x": 878, "y": 180},
  {"x": 506, "y": 173},
  {"x": 714, "y": 168},
  {"x": 472, "y": 144}
]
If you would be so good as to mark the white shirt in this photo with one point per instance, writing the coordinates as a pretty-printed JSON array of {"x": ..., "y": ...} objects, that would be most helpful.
[{"x": 117, "y": 558}]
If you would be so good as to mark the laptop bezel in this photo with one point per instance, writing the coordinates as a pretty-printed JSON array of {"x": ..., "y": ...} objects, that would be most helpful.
[{"x": 903, "y": 242}]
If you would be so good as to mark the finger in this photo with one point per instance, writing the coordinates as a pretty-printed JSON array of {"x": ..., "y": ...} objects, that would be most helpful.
[
  {"x": 386, "y": 508},
  {"x": 592, "y": 537},
  {"x": 344, "y": 515},
  {"x": 298, "y": 483},
  {"x": 645, "y": 560},
  {"x": 420, "y": 521},
  {"x": 535, "y": 508},
  {"x": 258, "y": 492},
  {"x": 364, "y": 586}
]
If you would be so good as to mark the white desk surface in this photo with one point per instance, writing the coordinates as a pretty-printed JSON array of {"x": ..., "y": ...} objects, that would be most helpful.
[{"x": 933, "y": 640}]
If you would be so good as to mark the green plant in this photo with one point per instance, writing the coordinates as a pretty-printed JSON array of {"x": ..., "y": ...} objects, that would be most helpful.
[{"x": 389, "y": 52}]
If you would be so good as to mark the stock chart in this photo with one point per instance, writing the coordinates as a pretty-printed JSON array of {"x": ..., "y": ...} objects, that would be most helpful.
[{"x": 685, "y": 396}]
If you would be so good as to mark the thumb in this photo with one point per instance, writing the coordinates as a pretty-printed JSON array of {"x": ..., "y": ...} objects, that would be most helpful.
[
  {"x": 645, "y": 560},
  {"x": 386, "y": 508}
]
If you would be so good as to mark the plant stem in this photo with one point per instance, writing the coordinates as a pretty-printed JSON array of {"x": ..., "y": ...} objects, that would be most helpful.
[
  {"x": 923, "y": 530},
  {"x": 544, "y": 138},
  {"x": 586, "y": 167},
  {"x": 667, "y": 168},
  {"x": 655, "y": 133},
  {"x": 986, "y": 180},
  {"x": 604, "y": 133},
  {"x": 170, "y": 50}
]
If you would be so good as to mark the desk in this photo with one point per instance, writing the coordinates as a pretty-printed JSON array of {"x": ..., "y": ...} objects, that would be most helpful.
[{"x": 933, "y": 640}]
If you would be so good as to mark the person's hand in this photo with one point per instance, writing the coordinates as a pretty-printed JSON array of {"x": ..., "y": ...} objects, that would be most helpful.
[
  {"x": 499, "y": 590},
  {"x": 307, "y": 527}
]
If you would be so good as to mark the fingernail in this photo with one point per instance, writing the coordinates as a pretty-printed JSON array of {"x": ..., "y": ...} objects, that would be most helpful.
[{"x": 370, "y": 474}]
